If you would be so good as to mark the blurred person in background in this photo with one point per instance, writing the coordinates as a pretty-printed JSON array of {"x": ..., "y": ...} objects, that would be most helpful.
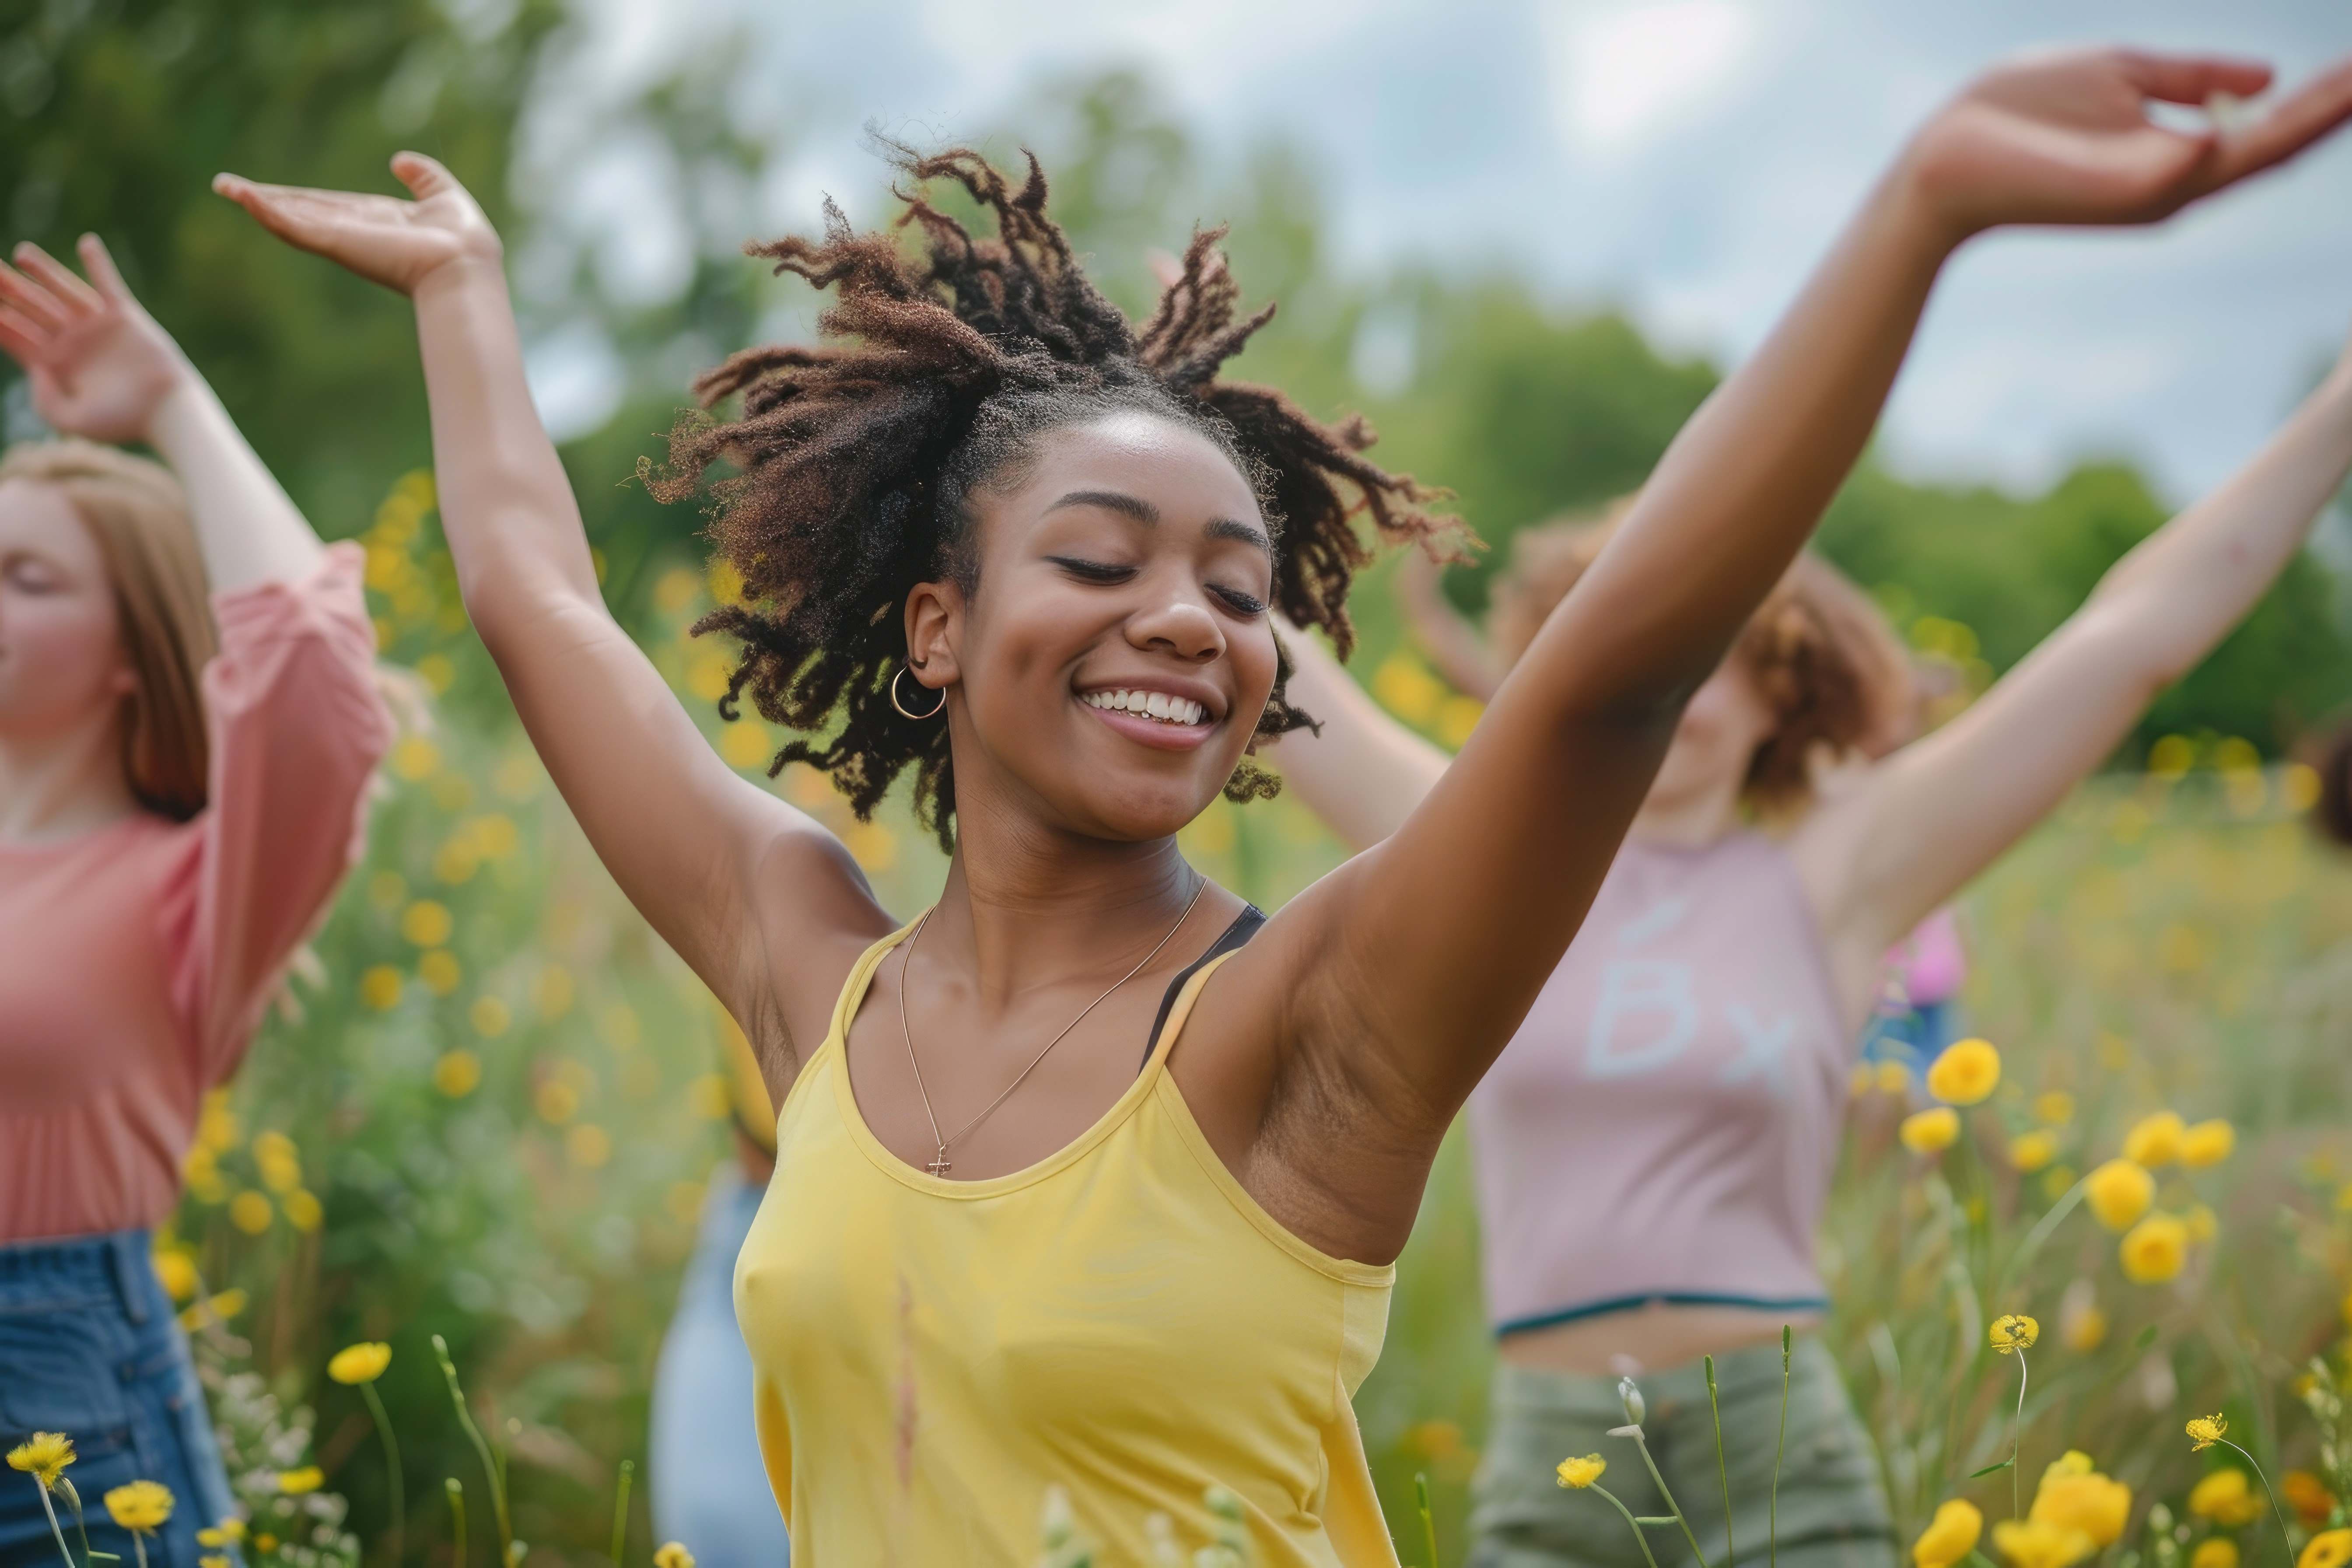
[
  {"x": 708, "y": 1489},
  {"x": 994, "y": 533},
  {"x": 188, "y": 722},
  {"x": 1654, "y": 1149}
]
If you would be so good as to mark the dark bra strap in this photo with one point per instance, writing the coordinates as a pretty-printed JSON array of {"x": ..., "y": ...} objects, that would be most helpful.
[{"x": 1245, "y": 926}]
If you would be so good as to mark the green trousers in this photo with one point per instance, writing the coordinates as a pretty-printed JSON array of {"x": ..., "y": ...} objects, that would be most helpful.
[{"x": 1832, "y": 1508}]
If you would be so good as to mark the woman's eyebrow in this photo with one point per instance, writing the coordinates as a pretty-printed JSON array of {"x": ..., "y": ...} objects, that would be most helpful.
[{"x": 1144, "y": 512}]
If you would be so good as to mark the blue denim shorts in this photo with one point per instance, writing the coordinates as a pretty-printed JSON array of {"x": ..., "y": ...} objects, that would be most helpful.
[{"x": 90, "y": 1347}]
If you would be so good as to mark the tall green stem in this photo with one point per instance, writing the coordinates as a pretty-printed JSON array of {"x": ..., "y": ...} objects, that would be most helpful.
[
  {"x": 1631, "y": 1522},
  {"x": 1667, "y": 1493},
  {"x": 391, "y": 1465},
  {"x": 621, "y": 1510},
  {"x": 1722, "y": 1472},
  {"x": 47, "y": 1508},
  {"x": 2284, "y": 1540},
  {"x": 1780, "y": 1447},
  {"x": 2017, "y": 1446},
  {"x": 482, "y": 1449},
  {"x": 456, "y": 1494}
]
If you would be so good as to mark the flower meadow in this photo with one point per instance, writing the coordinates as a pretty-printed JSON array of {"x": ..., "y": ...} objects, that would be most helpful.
[{"x": 432, "y": 1235}]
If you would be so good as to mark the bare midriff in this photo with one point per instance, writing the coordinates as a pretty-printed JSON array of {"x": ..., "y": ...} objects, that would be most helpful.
[{"x": 1658, "y": 1334}]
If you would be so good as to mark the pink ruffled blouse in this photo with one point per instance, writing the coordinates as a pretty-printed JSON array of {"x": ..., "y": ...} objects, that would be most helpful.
[{"x": 135, "y": 959}]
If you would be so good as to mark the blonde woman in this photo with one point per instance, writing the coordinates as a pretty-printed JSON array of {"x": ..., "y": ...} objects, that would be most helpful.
[{"x": 188, "y": 720}]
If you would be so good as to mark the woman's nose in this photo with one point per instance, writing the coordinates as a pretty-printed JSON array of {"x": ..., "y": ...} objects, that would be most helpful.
[{"x": 1182, "y": 626}]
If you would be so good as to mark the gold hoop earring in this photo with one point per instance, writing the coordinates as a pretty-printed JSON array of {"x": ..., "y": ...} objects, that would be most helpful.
[{"x": 906, "y": 713}]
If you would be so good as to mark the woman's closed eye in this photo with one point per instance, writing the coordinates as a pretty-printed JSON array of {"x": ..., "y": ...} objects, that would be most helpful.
[
  {"x": 1241, "y": 603},
  {"x": 1087, "y": 571}
]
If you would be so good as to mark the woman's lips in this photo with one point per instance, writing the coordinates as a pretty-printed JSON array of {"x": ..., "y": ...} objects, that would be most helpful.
[{"x": 1157, "y": 732}]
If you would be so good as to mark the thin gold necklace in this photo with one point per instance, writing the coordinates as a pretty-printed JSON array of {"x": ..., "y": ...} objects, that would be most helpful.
[{"x": 940, "y": 1164}]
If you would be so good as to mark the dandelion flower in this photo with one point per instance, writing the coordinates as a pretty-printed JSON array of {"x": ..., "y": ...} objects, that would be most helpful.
[
  {"x": 1930, "y": 1131},
  {"x": 140, "y": 1506},
  {"x": 2154, "y": 1250},
  {"x": 380, "y": 988},
  {"x": 458, "y": 1073},
  {"x": 2208, "y": 1143},
  {"x": 2308, "y": 1496},
  {"x": 426, "y": 923},
  {"x": 227, "y": 1532},
  {"x": 2037, "y": 1543},
  {"x": 249, "y": 1211},
  {"x": 362, "y": 1363},
  {"x": 1581, "y": 1473},
  {"x": 1950, "y": 1537},
  {"x": 2029, "y": 1152},
  {"x": 2214, "y": 1552},
  {"x": 670, "y": 1554},
  {"x": 2083, "y": 1330},
  {"x": 2329, "y": 1549},
  {"x": 2118, "y": 1193},
  {"x": 213, "y": 1559},
  {"x": 2054, "y": 1107},
  {"x": 176, "y": 1272},
  {"x": 1965, "y": 1073},
  {"x": 2014, "y": 1332},
  {"x": 2155, "y": 1140},
  {"x": 2204, "y": 1431},
  {"x": 294, "y": 1483},
  {"x": 2083, "y": 1500},
  {"x": 2225, "y": 1497},
  {"x": 44, "y": 1455}
]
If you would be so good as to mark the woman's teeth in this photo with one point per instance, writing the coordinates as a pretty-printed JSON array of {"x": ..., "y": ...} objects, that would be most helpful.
[{"x": 1150, "y": 705}]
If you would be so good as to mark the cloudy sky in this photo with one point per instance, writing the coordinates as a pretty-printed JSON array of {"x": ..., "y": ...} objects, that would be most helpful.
[{"x": 1687, "y": 159}]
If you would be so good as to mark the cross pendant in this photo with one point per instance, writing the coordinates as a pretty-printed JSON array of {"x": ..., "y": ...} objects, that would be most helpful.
[{"x": 940, "y": 1166}]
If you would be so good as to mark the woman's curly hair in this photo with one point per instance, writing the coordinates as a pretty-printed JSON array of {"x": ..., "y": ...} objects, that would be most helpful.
[{"x": 947, "y": 360}]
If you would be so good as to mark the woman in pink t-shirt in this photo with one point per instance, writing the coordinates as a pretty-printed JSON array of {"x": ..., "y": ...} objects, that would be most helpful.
[
  {"x": 1653, "y": 1147},
  {"x": 181, "y": 784}
]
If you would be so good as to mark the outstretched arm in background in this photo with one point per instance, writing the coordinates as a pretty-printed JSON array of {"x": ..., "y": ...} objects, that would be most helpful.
[
  {"x": 687, "y": 839},
  {"x": 101, "y": 368},
  {"x": 1927, "y": 819},
  {"x": 1399, "y": 976}
]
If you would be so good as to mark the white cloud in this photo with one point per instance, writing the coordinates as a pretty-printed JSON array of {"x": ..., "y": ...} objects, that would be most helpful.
[{"x": 1623, "y": 75}]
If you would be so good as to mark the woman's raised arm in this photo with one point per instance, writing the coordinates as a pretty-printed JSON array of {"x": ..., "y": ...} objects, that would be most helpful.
[
  {"x": 687, "y": 840},
  {"x": 1420, "y": 956},
  {"x": 1931, "y": 816}
]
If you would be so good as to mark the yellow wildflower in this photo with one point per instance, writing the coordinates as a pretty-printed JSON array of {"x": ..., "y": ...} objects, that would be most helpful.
[
  {"x": 2037, "y": 1543},
  {"x": 2074, "y": 1497},
  {"x": 2084, "y": 1331},
  {"x": 1894, "y": 1078},
  {"x": 2153, "y": 1250},
  {"x": 265, "y": 1542},
  {"x": 294, "y": 1483},
  {"x": 2155, "y": 1140},
  {"x": 1950, "y": 1537},
  {"x": 250, "y": 1211},
  {"x": 213, "y": 1559},
  {"x": 2214, "y": 1552},
  {"x": 2029, "y": 1152},
  {"x": 2226, "y": 1497},
  {"x": 440, "y": 971},
  {"x": 458, "y": 1073},
  {"x": 2014, "y": 1331},
  {"x": 2208, "y": 1143},
  {"x": 227, "y": 1532},
  {"x": 2308, "y": 1496},
  {"x": 2054, "y": 1107},
  {"x": 362, "y": 1363},
  {"x": 556, "y": 1101},
  {"x": 2118, "y": 1193},
  {"x": 1965, "y": 1073},
  {"x": 380, "y": 988},
  {"x": 1581, "y": 1473},
  {"x": 670, "y": 1554},
  {"x": 489, "y": 1017},
  {"x": 588, "y": 1146},
  {"x": 426, "y": 923},
  {"x": 176, "y": 1272},
  {"x": 139, "y": 1506},
  {"x": 44, "y": 1455},
  {"x": 2204, "y": 1431},
  {"x": 2329, "y": 1549},
  {"x": 1930, "y": 1131},
  {"x": 303, "y": 1210}
]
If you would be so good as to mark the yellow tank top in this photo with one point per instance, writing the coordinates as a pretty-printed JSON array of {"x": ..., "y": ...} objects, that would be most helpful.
[{"x": 1121, "y": 1321}]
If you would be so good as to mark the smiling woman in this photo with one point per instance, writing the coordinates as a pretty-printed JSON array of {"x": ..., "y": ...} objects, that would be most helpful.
[{"x": 997, "y": 1262}]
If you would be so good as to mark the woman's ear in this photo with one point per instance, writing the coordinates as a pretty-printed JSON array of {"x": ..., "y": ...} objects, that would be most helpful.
[{"x": 934, "y": 626}]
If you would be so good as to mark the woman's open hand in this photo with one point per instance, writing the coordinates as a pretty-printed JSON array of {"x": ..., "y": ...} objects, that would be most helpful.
[
  {"x": 2066, "y": 138},
  {"x": 98, "y": 364},
  {"x": 382, "y": 238}
]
